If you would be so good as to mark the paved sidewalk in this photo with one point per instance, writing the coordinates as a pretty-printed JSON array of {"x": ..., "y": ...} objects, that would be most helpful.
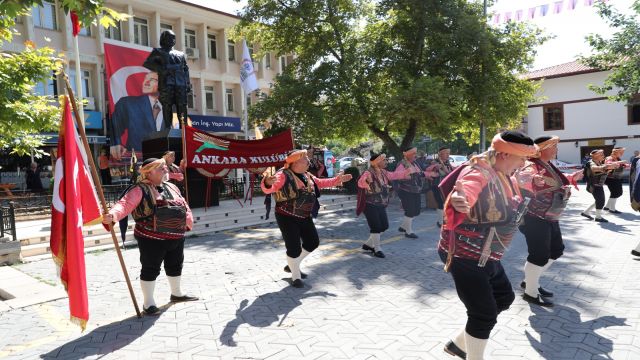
[{"x": 354, "y": 306}]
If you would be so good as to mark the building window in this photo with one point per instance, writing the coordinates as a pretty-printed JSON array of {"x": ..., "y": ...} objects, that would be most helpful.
[
  {"x": 45, "y": 16},
  {"x": 231, "y": 48},
  {"x": 190, "y": 101},
  {"x": 48, "y": 88},
  {"x": 213, "y": 49},
  {"x": 633, "y": 117},
  {"x": 283, "y": 62},
  {"x": 210, "y": 98},
  {"x": 114, "y": 32},
  {"x": 267, "y": 61},
  {"x": 140, "y": 31},
  {"x": 164, "y": 27},
  {"x": 229, "y": 99},
  {"x": 190, "y": 38},
  {"x": 553, "y": 117},
  {"x": 85, "y": 82},
  {"x": 85, "y": 31}
]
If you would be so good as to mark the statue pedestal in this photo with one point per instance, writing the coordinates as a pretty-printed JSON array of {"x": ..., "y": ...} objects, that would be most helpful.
[{"x": 160, "y": 142}]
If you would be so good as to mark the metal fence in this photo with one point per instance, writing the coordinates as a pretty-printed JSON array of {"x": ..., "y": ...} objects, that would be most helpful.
[{"x": 8, "y": 221}]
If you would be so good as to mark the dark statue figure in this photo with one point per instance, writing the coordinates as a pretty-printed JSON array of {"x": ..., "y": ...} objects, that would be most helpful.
[{"x": 173, "y": 77}]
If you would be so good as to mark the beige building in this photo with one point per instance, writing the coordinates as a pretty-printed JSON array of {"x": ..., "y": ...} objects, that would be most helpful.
[{"x": 213, "y": 59}]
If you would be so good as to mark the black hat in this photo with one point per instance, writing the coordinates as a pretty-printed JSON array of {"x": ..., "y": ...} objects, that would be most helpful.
[
  {"x": 516, "y": 137},
  {"x": 374, "y": 156},
  {"x": 149, "y": 161},
  {"x": 443, "y": 148},
  {"x": 542, "y": 139}
]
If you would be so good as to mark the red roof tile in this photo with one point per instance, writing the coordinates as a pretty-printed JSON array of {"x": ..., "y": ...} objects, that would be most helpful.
[{"x": 562, "y": 70}]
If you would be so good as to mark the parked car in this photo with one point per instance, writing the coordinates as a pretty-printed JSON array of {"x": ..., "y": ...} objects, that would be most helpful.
[
  {"x": 566, "y": 167},
  {"x": 457, "y": 160},
  {"x": 349, "y": 161}
]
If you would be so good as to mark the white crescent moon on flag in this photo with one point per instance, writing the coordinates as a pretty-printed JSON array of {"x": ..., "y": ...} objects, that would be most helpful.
[
  {"x": 118, "y": 81},
  {"x": 57, "y": 203}
]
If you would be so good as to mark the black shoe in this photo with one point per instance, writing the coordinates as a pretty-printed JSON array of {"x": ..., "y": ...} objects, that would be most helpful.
[
  {"x": 151, "y": 310},
  {"x": 412, "y": 235},
  {"x": 401, "y": 229},
  {"x": 303, "y": 275},
  {"x": 606, "y": 208},
  {"x": 378, "y": 254},
  {"x": 297, "y": 283},
  {"x": 367, "y": 248},
  {"x": 615, "y": 212},
  {"x": 183, "y": 298},
  {"x": 538, "y": 300},
  {"x": 438, "y": 224},
  {"x": 454, "y": 350},
  {"x": 541, "y": 291},
  {"x": 587, "y": 216},
  {"x": 635, "y": 253},
  {"x": 602, "y": 220}
]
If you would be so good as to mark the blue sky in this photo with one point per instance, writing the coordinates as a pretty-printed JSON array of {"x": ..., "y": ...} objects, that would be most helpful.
[{"x": 569, "y": 26}]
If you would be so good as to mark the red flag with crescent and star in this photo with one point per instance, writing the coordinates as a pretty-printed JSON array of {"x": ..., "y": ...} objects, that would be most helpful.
[{"x": 73, "y": 204}]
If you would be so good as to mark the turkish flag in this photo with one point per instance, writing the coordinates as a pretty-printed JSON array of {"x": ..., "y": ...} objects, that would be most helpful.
[{"x": 74, "y": 203}]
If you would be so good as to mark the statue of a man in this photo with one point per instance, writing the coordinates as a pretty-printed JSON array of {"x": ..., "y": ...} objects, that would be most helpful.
[{"x": 173, "y": 77}]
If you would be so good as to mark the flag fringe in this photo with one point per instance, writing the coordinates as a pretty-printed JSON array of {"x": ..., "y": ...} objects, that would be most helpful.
[{"x": 80, "y": 322}]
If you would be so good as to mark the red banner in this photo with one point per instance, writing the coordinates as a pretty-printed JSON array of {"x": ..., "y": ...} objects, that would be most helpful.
[{"x": 214, "y": 153}]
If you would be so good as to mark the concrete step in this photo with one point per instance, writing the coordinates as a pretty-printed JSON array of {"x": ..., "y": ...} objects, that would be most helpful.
[{"x": 101, "y": 241}]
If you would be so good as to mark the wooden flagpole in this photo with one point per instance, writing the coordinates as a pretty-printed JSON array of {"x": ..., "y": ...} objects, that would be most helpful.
[
  {"x": 183, "y": 123},
  {"x": 96, "y": 181}
]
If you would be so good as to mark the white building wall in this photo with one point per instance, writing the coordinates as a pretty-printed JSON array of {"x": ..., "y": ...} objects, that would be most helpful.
[{"x": 590, "y": 122}]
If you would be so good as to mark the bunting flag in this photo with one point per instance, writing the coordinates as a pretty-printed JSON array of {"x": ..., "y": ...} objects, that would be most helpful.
[
  {"x": 542, "y": 10},
  {"x": 74, "y": 203},
  {"x": 75, "y": 23}
]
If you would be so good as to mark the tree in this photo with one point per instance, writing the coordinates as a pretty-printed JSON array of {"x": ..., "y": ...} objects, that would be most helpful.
[
  {"x": 620, "y": 53},
  {"x": 391, "y": 68},
  {"x": 22, "y": 113}
]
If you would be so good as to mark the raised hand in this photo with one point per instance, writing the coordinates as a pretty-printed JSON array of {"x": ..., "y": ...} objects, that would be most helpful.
[
  {"x": 269, "y": 180},
  {"x": 459, "y": 199}
]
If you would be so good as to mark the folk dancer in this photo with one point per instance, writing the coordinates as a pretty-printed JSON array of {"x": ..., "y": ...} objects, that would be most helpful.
[
  {"x": 294, "y": 191},
  {"x": 614, "y": 178},
  {"x": 162, "y": 217},
  {"x": 549, "y": 190},
  {"x": 634, "y": 191},
  {"x": 176, "y": 174},
  {"x": 596, "y": 172},
  {"x": 373, "y": 198},
  {"x": 483, "y": 209},
  {"x": 443, "y": 167},
  {"x": 409, "y": 190}
]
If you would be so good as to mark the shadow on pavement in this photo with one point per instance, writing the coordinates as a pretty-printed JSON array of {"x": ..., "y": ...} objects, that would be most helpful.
[
  {"x": 266, "y": 310},
  {"x": 563, "y": 334},
  {"x": 105, "y": 339}
]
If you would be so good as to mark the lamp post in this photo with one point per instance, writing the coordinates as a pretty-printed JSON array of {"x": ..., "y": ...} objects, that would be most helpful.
[{"x": 483, "y": 135}]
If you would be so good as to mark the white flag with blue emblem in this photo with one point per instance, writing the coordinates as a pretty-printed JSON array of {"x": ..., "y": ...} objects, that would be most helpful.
[{"x": 247, "y": 74}]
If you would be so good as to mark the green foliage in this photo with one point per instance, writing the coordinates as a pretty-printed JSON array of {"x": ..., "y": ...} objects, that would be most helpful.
[
  {"x": 620, "y": 53},
  {"x": 393, "y": 69},
  {"x": 22, "y": 113}
]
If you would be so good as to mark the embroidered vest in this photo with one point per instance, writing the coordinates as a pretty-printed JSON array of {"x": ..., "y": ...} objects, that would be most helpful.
[
  {"x": 163, "y": 219},
  {"x": 491, "y": 224},
  {"x": 617, "y": 172},
  {"x": 379, "y": 189},
  {"x": 548, "y": 202},
  {"x": 593, "y": 178},
  {"x": 444, "y": 169},
  {"x": 414, "y": 184},
  {"x": 295, "y": 198}
]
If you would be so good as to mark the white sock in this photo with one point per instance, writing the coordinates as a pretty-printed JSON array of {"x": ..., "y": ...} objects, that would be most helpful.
[
  {"x": 409, "y": 227},
  {"x": 638, "y": 247},
  {"x": 147, "y": 293},
  {"x": 174, "y": 283},
  {"x": 405, "y": 222},
  {"x": 532, "y": 278},
  {"x": 303, "y": 255},
  {"x": 589, "y": 208},
  {"x": 608, "y": 204},
  {"x": 294, "y": 266},
  {"x": 612, "y": 206},
  {"x": 475, "y": 347},
  {"x": 376, "y": 242},
  {"x": 459, "y": 341},
  {"x": 547, "y": 265},
  {"x": 369, "y": 241},
  {"x": 598, "y": 213}
]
